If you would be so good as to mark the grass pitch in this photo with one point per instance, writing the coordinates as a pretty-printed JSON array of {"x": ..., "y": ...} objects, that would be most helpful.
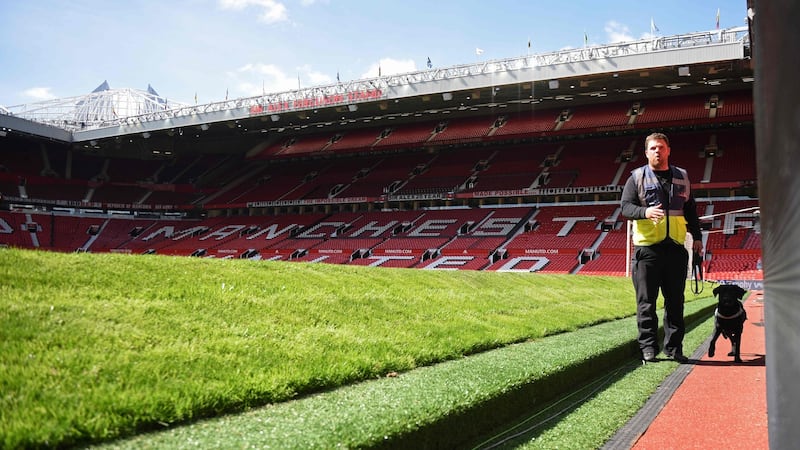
[{"x": 97, "y": 347}]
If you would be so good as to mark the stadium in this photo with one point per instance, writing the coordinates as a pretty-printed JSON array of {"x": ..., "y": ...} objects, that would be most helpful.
[
  {"x": 473, "y": 167},
  {"x": 507, "y": 165}
]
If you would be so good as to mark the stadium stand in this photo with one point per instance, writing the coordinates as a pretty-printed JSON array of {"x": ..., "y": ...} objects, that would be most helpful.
[
  {"x": 411, "y": 135},
  {"x": 531, "y": 186},
  {"x": 548, "y": 238}
]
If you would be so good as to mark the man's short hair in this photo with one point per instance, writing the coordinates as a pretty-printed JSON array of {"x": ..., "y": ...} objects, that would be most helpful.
[{"x": 651, "y": 136}]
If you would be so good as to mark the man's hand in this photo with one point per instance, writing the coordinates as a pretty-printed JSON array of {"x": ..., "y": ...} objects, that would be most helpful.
[{"x": 654, "y": 213}]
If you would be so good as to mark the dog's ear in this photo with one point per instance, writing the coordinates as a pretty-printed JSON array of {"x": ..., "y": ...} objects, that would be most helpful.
[
  {"x": 740, "y": 292},
  {"x": 716, "y": 289}
]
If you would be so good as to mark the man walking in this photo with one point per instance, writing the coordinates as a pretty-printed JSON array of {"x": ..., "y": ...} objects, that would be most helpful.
[{"x": 658, "y": 198}]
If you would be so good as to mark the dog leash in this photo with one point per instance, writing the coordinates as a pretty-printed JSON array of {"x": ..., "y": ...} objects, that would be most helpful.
[{"x": 697, "y": 273}]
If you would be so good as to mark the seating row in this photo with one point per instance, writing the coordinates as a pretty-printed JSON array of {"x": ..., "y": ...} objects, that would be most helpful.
[{"x": 555, "y": 239}]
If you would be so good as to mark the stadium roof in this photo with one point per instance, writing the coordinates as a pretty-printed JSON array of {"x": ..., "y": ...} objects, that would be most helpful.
[
  {"x": 129, "y": 122},
  {"x": 102, "y": 106}
]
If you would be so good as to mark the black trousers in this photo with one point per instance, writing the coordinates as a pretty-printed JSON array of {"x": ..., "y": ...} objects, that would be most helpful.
[{"x": 661, "y": 267}]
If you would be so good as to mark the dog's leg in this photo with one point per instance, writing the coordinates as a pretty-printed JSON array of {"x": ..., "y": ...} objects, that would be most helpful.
[
  {"x": 736, "y": 341},
  {"x": 734, "y": 337},
  {"x": 713, "y": 345}
]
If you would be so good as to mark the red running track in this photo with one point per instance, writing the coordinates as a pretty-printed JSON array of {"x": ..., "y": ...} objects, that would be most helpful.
[{"x": 720, "y": 404}]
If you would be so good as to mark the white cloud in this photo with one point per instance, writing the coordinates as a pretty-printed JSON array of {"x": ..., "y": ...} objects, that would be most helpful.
[
  {"x": 253, "y": 79},
  {"x": 39, "y": 93},
  {"x": 272, "y": 11},
  {"x": 618, "y": 32},
  {"x": 314, "y": 77},
  {"x": 257, "y": 78},
  {"x": 389, "y": 66}
]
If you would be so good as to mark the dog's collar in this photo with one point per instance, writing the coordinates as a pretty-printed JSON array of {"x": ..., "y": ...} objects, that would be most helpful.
[{"x": 720, "y": 316}]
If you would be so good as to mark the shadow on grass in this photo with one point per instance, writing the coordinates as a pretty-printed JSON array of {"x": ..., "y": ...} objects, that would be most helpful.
[
  {"x": 536, "y": 422},
  {"x": 548, "y": 416}
]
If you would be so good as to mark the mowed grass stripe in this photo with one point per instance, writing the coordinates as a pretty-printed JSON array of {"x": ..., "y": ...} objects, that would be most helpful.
[
  {"x": 447, "y": 404},
  {"x": 597, "y": 411},
  {"x": 97, "y": 347}
]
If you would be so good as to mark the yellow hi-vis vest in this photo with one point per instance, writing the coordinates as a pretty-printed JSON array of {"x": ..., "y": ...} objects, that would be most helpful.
[{"x": 645, "y": 231}]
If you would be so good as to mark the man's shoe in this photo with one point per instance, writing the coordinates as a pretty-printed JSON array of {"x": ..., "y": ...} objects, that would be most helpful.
[{"x": 648, "y": 355}]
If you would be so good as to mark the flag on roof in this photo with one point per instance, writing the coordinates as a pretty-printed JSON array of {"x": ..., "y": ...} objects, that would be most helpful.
[
  {"x": 653, "y": 28},
  {"x": 718, "y": 18},
  {"x": 430, "y": 64},
  {"x": 478, "y": 51}
]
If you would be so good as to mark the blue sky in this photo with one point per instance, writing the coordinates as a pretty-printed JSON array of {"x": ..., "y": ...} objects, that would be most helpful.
[{"x": 213, "y": 48}]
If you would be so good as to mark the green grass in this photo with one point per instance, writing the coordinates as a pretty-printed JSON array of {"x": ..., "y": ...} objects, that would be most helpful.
[
  {"x": 588, "y": 417},
  {"x": 442, "y": 406},
  {"x": 96, "y": 347}
]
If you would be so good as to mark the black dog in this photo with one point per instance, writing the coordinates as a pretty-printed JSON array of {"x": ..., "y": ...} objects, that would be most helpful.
[{"x": 728, "y": 318}]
